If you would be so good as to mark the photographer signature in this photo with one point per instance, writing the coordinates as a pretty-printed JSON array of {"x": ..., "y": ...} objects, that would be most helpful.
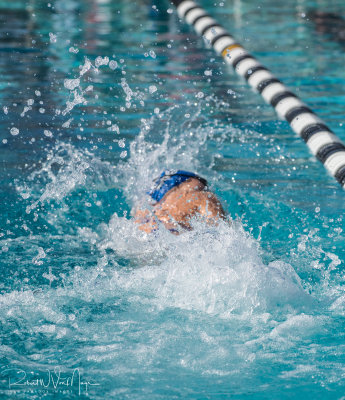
[{"x": 51, "y": 379}]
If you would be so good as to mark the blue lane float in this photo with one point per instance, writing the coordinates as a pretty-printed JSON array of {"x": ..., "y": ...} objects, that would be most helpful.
[{"x": 322, "y": 142}]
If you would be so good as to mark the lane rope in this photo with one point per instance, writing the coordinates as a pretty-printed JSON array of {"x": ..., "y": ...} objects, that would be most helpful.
[{"x": 322, "y": 142}]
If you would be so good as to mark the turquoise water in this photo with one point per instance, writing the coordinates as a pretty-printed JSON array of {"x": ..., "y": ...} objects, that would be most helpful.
[{"x": 252, "y": 310}]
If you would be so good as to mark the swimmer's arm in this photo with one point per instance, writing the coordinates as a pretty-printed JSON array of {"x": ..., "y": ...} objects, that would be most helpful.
[{"x": 146, "y": 220}]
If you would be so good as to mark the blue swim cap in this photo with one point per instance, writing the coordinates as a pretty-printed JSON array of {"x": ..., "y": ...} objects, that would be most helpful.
[{"x": 169, "y": 179}]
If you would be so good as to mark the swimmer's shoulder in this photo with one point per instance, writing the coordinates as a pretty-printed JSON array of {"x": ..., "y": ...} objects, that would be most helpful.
[{"x": 211, "y": 205}]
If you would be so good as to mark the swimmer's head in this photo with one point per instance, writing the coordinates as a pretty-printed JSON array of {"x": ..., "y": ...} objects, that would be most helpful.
[{"x": 173, "y": 178}]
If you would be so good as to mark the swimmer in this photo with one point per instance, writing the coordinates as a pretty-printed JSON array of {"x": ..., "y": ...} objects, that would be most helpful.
[{"x": 178, "y": 197}]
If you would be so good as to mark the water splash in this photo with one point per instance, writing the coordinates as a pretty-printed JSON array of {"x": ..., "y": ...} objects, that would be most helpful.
[
  {"x": 169, "y": 140},
  {"x": 65, "y": 169}
]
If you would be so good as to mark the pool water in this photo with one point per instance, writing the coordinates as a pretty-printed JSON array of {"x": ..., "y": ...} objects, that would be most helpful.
[{"x": 97, "y": 97}]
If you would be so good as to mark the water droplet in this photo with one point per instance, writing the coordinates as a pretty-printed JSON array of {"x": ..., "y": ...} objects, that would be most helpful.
[
  {"x": 71, "y": 83},
  {"x": 48, "y": 133},
  {"x": 52, "y": 37},
  {"x": 113, "y": 64},
  {"x": 85, "y": 67},
  {"x": 67, "y": 123},
  {"x": 101, "y": 61},
  {"x": 114, "y": 128},
  {"x": 14, "y": 131}
]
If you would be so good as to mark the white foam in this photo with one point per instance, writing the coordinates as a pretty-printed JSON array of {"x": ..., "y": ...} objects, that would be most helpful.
[{"x": 213, "y": 270}]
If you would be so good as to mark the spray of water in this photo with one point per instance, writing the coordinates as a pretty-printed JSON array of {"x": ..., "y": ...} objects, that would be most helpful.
[{"x": 208, "y": 290}]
